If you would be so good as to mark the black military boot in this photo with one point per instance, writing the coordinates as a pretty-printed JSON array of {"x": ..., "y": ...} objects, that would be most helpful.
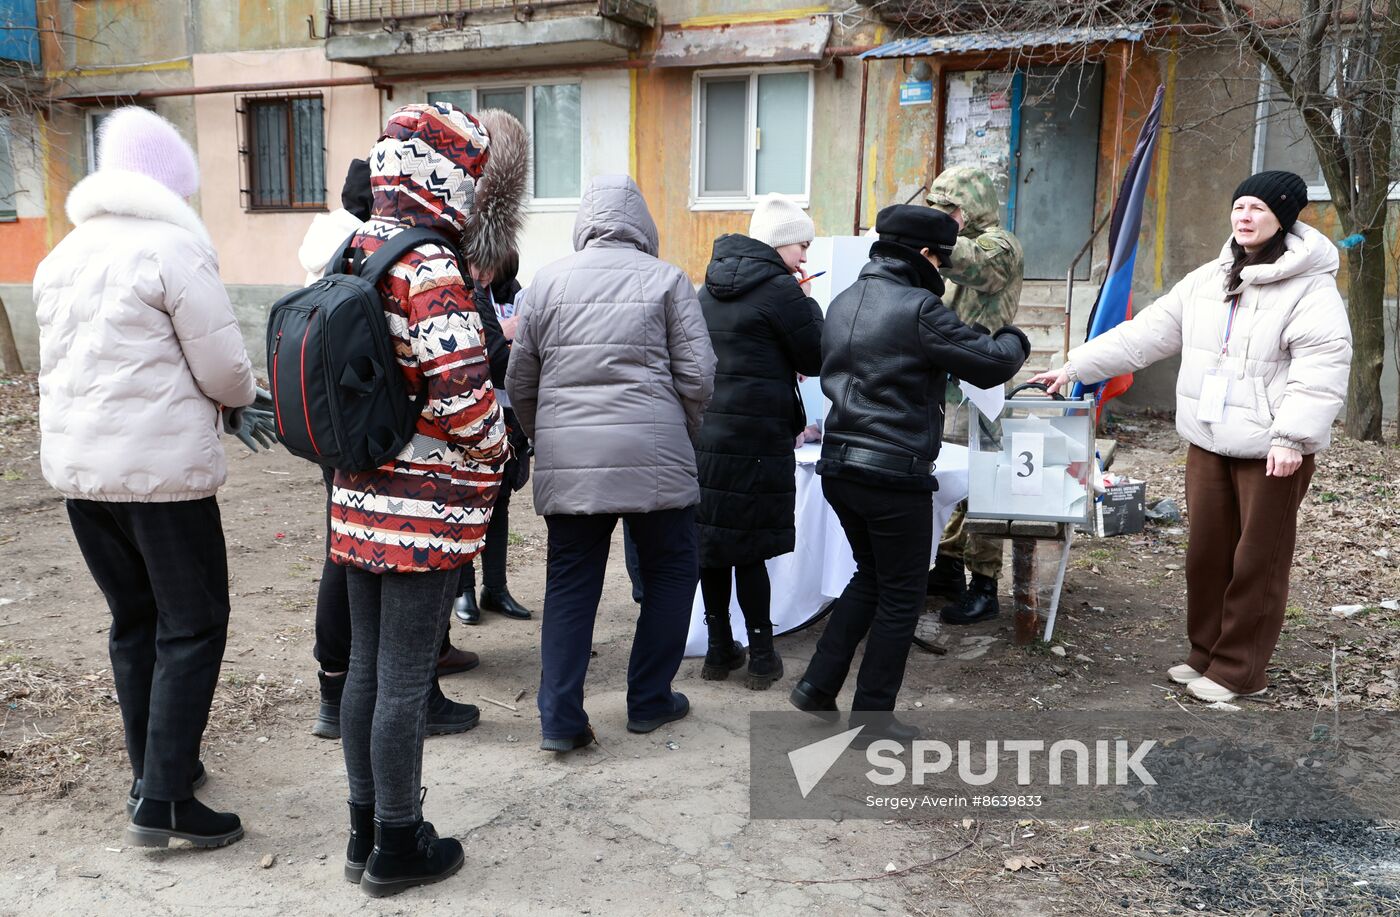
[
  {"x": 765, "y": 665},
  {"x": 328, "y": 714},
  {"x": 978, "y": 603},
  {"x": 405, "y": 856},
  {"x": 725, "y": 653},
  {"x": 361, "y": 843},
  {"x": 948, "y": 578}
]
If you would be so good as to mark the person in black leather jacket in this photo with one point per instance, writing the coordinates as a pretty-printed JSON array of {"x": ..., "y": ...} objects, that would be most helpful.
[{"x": 888, "y": 347}]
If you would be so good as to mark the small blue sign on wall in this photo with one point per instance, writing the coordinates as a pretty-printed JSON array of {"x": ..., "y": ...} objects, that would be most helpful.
[{"x": 914, "y": 92}]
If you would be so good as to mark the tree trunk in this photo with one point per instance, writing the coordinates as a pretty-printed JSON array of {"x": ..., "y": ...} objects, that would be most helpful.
[
  {"x": 9, "y": 351},
  {"x": 1366, "y": 309}
]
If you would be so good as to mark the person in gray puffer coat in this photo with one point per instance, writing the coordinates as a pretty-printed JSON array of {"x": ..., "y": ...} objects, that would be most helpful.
[{"x": 609, "y": 375}]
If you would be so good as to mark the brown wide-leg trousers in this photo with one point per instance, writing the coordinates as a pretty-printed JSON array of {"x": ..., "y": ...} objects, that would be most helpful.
[{"x": 1243, "y": 527}]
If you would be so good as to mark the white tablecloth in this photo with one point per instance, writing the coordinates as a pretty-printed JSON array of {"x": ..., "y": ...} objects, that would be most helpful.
[{"x": 821, "y": 564}]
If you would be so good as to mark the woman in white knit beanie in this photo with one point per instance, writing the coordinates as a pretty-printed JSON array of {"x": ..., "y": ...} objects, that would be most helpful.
[
  {"x": 779, "y": 222},
  {"x": 765, "y": 330}
]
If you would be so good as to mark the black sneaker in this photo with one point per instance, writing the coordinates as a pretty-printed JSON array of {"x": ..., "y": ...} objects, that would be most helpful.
[
  {"x": 446, "y": 716},
  {"x": 680, "y": 707},
  {"x": 133, "y": 796},
  {"x": 157, "y": 822},
  {"x": 582, "y": 740}
]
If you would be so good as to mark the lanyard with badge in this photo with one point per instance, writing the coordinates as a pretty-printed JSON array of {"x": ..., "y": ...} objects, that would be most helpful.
[{"x": 1215, "y": 385}]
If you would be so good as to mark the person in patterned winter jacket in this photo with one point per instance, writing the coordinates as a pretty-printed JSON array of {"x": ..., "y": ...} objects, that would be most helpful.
[
  {"x": 984, "y": 273},
  {"x": 405, "y": 529}
]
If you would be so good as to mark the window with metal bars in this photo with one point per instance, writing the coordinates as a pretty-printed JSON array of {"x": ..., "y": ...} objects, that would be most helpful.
[{"x": 283, "y": 151}]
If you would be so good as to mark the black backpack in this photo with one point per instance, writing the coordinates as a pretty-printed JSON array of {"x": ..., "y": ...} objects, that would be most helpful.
[{"x": 338, "y": 393}]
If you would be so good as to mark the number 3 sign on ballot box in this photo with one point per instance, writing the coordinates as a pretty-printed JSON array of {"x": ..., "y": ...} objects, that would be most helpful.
[{"x": 1031, "y": 462}]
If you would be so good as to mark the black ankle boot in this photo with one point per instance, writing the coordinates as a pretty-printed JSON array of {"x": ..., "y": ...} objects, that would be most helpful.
[
  {"x": 725, "y": 653},
  {"x": 361, "y": 843},
  {"x": 446, "y": 716},
  {"x": 465, "y": 607},
  {"x": 948, "y": 578},
  {"x": 133, "y": 796},
  {"x": 156, "y": 822},
  {"x": 500, "y": 600},
  {"x": 978, "y": 603},
  {"x": 328, "y": 714},
  {"x": 765, "y": 665},
  {"x": 405, "y": 856}
]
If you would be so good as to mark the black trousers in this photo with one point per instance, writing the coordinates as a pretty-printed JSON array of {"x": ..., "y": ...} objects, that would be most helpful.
[
  {"x": 493, "y": 551},
  {"x": 164, "y": 572},
  {"x": 891, "y": 535},
  {"x": 668, "y": 554},
  {"x": 332, "y": 649},
  {"x": 755, "y": 593}
]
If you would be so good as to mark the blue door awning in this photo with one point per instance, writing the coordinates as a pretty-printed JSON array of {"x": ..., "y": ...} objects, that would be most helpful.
[{"x": 928, "y": 45}]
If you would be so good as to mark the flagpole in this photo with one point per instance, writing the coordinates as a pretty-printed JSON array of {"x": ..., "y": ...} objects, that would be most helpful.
[{"x": 1069, "y": 278}]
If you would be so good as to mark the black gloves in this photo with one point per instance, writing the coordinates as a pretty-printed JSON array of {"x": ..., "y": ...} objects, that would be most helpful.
[{"x": 1019, "y": 334}]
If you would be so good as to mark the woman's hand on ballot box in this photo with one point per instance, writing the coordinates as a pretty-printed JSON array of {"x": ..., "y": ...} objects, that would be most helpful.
[{"x": 1053, "y": 379}]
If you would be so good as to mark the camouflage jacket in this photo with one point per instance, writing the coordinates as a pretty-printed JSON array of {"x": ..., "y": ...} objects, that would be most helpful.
[
  {"x": 987, "y": 265},
  {"x": 984, "y": 278}
]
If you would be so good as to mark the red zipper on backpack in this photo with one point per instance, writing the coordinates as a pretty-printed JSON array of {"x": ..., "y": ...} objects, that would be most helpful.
[
  {"x": 276, "y": 405},
  {"x": 305, "y": 409}
]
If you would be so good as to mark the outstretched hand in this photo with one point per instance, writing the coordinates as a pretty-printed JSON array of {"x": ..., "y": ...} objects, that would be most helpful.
[{"x": 1054, "y": 380}]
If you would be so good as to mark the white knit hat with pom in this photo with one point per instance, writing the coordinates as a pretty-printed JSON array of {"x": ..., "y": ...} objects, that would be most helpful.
[{"x": 777, "y": 221}]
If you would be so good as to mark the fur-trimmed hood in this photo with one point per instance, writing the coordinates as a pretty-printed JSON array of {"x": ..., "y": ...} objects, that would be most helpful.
[
  {"x": 493, "y": 228},
  {"x": 132, "y": 194}
]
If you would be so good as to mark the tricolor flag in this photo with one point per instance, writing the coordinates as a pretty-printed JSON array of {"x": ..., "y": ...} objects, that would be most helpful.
[{"x": 1115, "y": 300}]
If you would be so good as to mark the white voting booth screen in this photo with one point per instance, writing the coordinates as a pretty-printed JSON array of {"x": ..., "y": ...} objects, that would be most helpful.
[{"x": 841, "y": 257}]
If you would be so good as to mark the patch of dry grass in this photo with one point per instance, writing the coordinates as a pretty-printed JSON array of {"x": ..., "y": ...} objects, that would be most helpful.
[{"x": 57, "y": 725}]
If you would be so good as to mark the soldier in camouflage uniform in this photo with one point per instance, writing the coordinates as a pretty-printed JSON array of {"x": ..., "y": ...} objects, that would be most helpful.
[{"x": 984, "y": 287}]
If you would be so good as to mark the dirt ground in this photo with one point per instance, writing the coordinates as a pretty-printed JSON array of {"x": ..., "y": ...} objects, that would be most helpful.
[{"x": 652, "y": 824}]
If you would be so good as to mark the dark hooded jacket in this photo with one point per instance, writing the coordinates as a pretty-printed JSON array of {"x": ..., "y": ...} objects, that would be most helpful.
[
  {"x": 887, "y": 349},
  {"x": 764, "y": 331}
]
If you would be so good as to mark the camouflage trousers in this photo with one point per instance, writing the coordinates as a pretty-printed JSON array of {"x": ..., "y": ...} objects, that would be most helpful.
[{"x": 981, "y": 555}]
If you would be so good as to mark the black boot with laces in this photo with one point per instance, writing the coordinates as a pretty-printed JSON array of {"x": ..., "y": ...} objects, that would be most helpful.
[
  {"x": 725, "y": 654},
  {"x": 408, "y": 855}
]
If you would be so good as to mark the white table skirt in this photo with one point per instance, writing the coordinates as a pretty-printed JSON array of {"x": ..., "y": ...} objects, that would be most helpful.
[{"x": 821, "y": 564}]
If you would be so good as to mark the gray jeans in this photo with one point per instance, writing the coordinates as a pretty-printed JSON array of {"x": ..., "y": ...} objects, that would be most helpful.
[{"x": 396, "y": 624}]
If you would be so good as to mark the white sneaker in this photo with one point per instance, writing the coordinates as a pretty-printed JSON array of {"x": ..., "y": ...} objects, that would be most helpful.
[
  {"x": 1183, "y": 674},
  {"x": 1207, "y": 690}
]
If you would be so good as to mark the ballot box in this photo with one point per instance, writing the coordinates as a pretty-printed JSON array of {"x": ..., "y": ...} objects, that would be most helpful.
[{"x": 1032, "y": 461}]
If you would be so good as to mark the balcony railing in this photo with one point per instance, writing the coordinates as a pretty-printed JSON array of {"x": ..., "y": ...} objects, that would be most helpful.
[{"x": 382, "y": 10}]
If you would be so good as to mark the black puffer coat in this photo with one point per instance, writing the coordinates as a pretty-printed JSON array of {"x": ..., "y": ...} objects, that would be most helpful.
[{"x": 764, "y": 331}]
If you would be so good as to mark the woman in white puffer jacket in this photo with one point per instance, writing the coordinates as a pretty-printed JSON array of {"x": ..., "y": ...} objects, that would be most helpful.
[
  {"x": 1265, "y": 350},
  {"x": 138, "y": 350}
]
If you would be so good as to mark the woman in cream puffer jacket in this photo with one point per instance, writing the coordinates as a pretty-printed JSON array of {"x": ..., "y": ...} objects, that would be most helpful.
[
  {"x": 1265, "y": 350},
  {"x": 138, "y": 349}
]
